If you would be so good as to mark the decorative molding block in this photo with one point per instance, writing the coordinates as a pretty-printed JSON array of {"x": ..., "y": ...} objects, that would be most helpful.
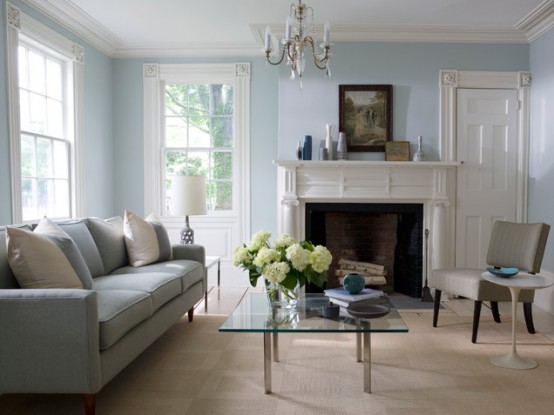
[
  {"x": 449, "y": 78},
  {"x": 524, "y": 79},
  {"x": 13, "y": 17},
  {"x": 151, "y": 70},
  {"x": 243, "y": 70},
  {"x": 78, "y": 53}
]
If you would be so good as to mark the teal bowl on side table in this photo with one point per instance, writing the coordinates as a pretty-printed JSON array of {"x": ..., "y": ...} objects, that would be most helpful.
[{"x": 353, "y": 283}]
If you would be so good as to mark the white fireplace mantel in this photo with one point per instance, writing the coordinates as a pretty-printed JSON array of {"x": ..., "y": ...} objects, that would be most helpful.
[{"x": 429, "y": 183}]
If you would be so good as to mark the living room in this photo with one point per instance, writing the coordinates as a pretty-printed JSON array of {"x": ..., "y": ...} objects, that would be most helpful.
[{"x": 117, "y": 166}]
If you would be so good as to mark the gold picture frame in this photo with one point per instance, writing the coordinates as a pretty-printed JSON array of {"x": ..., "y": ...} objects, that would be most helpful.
[{"x": 397, "y": 151}]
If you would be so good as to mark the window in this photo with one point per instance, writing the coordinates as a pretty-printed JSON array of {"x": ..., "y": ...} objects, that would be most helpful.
[
  {"x": 198, "y": 132},
  {"x": 45, "y": 145},
  {"x": 45, "y": 73}
]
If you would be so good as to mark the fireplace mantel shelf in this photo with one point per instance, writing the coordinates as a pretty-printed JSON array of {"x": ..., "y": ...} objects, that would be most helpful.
[{"x": 362, "y": 163}]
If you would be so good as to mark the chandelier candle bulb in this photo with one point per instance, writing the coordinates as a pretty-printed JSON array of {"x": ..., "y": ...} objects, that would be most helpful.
[
  {"x": 288, "y": 24},
  {"x": 267, "y": 39},
  {"x": 326, "y": 34}
]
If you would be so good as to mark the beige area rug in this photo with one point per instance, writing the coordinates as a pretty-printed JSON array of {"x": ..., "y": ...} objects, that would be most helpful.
[{"x": 194, "y": 369}]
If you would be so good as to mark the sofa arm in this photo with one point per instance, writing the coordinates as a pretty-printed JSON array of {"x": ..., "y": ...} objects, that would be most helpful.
[
  {"x": 190, "y": 251},
  {"x": 49, "y": 341}
]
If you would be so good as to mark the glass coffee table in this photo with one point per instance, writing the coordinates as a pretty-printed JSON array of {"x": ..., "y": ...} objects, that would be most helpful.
[{"x": 254, "y": 314}]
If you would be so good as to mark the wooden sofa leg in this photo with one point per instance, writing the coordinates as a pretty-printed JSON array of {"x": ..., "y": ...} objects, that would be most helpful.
[
  {"x": 528, "y": 313},
  {"x": 476, "y": 316},
  {"x": 89, "y": 399},
  {"x": 495, "y": 312},
  {"x": 436, "y": 307},
  {"x": 191, "y": 314}
]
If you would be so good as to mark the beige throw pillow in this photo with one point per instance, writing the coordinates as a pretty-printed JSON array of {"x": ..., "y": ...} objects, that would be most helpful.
[
  {"x": 141, "y": 240},
  {"x": 37, "y": 262}
]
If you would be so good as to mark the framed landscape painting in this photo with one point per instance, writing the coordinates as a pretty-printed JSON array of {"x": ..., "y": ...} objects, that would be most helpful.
[{"x": 365, "y": 116}]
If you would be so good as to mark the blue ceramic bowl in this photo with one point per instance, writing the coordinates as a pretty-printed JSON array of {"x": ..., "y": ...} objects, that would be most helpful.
[
  {"x": 503, "y": 272},
  {"x": 353, "y": 283}
]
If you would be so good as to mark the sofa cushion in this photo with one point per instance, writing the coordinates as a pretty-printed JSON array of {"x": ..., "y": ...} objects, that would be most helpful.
[
  {"x": 190, "y": 272},
  {"x": 108, "y": 236},
  {"x": 37, "y": 262},
  {"x": 68, "y": 247},
  {"x": 119, "y": 311},
  {"x": 7, "y": 279},
  {"x": 80, "y": 233},
  {"x": 146, "y": 240},
  {"x": 161, "y": 286}
]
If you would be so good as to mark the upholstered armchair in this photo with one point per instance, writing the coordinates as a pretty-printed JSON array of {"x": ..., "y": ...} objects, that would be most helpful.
[{"x": 518, "y": 245}]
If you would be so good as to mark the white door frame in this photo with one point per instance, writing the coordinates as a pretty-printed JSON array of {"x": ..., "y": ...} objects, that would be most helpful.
[{"x": 450, "y": 81}]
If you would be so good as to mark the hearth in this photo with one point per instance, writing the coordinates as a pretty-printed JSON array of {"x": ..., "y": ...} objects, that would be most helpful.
[{"x": 386, "y": 234}]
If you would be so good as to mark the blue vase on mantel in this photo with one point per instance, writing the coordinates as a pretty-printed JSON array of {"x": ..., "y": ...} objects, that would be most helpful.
[{"x": 307, "y": 148}]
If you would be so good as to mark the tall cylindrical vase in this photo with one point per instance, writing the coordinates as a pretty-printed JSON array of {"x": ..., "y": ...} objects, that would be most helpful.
[
  {"x": 342, "y": 151},
  {"x": 307, "y": 148},
  {"x": 419, "y": 155},
  {"x": 329, "y": 142}
]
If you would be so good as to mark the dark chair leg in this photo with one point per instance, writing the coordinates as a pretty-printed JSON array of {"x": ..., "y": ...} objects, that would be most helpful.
[
  {"x": 528, "y": 313},
  {"x": 436, "y": 307},
  {"x": 495, "y": 313},
  {"x": 89, "y": 399},
  {"x": 476, "y": 316},
  {"x": 191, "y": 314}
]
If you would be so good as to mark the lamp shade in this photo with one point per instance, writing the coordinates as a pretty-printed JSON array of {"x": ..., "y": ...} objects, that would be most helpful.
[{"x": 188, "y": 195}]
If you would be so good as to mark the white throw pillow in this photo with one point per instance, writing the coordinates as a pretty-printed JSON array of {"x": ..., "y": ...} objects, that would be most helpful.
[
  {"x": 37, "y": 262},
  {"x": 141, "y": 240}
]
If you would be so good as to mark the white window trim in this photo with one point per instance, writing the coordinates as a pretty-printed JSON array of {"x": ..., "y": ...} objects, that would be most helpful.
[
  {"x": 18, "y": 22},
  {"x": 155, "y": 77}
]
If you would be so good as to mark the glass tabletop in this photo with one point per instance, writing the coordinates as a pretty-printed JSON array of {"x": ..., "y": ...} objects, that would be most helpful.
[{"x": 254, "y": 314}]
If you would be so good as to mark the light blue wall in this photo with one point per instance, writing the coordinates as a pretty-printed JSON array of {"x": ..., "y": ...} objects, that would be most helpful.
[
  {"x": 541, "y": 158},
  {"x": 412, "y": 69},
  {"x": 98, "y": 123},
  {"x": 129, "y": 147}
]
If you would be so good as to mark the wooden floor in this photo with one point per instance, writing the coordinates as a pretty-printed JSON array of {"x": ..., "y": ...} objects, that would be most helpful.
[{"x": 223, "y": 300}]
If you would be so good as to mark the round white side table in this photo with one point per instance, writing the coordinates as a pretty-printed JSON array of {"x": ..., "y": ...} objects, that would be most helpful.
[{"x": 521, "y": 281}]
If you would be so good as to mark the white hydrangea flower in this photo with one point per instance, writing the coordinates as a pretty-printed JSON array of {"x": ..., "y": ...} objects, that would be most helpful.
[
  {"x": 266, "y": 256},
  {"x": 259, "y": 239},
  {"x": 241, "y": 256},
  {"x": 284, "y": 241},
  {"x": 276, "y": 272},
  {"x": 298, "y": 256},
  {"x": 320, "y": 259}
]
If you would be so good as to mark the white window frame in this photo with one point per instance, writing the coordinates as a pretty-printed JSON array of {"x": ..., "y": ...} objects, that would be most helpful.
[
  {"x": 19, "y": 23},
  {"x": 156, "y": 76}
]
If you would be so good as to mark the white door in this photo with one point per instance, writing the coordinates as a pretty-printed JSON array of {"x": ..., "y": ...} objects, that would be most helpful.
[{"x": 486, "y": 179}]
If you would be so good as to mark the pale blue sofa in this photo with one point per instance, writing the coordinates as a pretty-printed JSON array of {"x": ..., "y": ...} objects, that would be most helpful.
[{"x": 77, "y": 340}]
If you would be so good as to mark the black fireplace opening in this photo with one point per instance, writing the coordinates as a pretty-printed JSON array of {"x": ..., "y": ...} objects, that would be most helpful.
[{"x": 389, "y": 235}]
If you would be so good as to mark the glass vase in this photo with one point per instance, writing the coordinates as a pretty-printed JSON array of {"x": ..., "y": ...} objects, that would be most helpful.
[{"x": 282, "y": 297}]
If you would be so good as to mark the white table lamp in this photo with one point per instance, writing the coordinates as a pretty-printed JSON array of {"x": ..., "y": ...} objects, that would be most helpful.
[{"x": 188, "y": 197}]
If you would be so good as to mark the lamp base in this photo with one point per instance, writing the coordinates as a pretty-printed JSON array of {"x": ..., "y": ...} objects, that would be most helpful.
[{"x": 187, "y": 234}]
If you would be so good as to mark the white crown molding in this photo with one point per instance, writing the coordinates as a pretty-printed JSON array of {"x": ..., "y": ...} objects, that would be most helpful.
[
  {"x": 538, "y": 22},
  {"x": 78, "y": 22},
  {"x": 441, "y": 34},
  {"x": 188, "y": 50}
]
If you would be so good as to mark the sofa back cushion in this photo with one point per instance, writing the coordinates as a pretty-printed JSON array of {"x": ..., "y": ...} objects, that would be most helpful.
[
  {"x": 69, "y": 248},
  {"x": 37, "y": 262},
  {"x": 79, "y": 232},
  {"x": 7, "y": 279},
  {"x": 108, "y": 236}
]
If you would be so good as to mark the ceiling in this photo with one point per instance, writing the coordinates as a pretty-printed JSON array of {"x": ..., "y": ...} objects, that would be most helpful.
[{"x": 235, "y": 27}]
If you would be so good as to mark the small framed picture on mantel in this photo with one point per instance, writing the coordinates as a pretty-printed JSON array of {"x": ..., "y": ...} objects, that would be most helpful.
[
  {"x": 365, "y": 116},
  {"x": 397, "y": 151}
]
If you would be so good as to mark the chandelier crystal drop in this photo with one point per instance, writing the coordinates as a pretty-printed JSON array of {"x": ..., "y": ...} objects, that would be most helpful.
[{"x": 299, "y": 41}]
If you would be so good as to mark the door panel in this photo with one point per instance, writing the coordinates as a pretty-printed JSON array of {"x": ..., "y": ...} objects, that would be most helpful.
[{"x": 486, "y": 178}]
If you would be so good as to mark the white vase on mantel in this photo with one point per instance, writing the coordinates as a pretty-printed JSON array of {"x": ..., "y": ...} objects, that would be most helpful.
[
  {"x": 329, "y": 142},
  {"x": 419, "y": 155}
]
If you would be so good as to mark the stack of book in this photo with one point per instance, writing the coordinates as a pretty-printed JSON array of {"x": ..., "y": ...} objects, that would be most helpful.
[{"x": 343, "y": 298}]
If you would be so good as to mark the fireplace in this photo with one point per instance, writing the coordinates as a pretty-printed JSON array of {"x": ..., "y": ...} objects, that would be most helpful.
[
  {"x": 384, "y": 189},
  {"x": 386, "y": 234}
]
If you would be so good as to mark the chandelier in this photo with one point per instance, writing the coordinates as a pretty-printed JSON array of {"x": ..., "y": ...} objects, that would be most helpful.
[{"x": 300, "y": 37}]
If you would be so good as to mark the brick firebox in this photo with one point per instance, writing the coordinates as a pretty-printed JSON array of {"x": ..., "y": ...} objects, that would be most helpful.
[{"x": 386, "y": 234}]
